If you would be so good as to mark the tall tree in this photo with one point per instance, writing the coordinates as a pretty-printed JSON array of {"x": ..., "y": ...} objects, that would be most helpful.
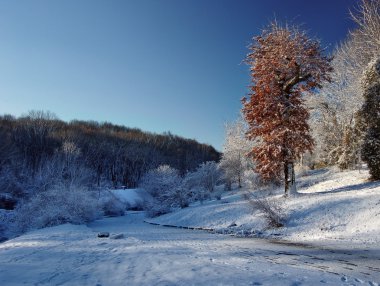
[
  {"x": 284, "y": 64},
  {"x": 371, "y": 116},
  {"x": 366, "y": 38},
  {"x": 335, "y": 119}
]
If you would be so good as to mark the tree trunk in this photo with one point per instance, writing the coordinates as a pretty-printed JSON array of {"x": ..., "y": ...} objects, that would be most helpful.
[
  {"x": 290, "y": 178},
  {"x": 228, "y": 185},
  {"x": 286, "y": 173},
  {"x": 293, "y": 187},
  {"x": 240, "y": 171}
]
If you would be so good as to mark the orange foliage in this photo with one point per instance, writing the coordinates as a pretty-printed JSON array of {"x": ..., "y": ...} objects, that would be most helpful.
[{"x": 284, "y": 65}]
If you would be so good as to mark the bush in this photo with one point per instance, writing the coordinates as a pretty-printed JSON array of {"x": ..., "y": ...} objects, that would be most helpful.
[
  {"x": 200, "y": 194},
  {"x": 153, "y": 208},
  {"x": 55, "y": 206},
  {"x": 113, "y": 207},
  {"x": 202, "y": 182},
  {"x": 253, "y": 181},
  {"x": 166, "y": 189},
  {"x": 272, "y": 210},
  {"x": 6, "y": 220}
]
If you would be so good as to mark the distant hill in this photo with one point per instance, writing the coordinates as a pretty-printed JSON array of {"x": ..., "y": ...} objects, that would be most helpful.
[{"x": 113, "y": 154}]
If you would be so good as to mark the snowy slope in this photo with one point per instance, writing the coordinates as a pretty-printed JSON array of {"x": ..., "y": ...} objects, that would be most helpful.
[
  {"x": 154, "y": 255},
  {"x": 332, "y": 208}
]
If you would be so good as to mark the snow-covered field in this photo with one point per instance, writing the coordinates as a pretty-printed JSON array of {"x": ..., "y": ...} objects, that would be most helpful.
[
  {"x": 331, "y": 237},
  {"x": 155, "y": 255}
]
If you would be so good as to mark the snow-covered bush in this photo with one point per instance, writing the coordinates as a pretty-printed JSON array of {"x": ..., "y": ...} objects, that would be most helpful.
[
  {"x": 165, "y": 186},
  {"x": 200, "y": 194},
  {"x": 6, "y": 220},
  {"x": 111, "y": 206},
  {"x": 56, "y": 206},
  {"x": 201, "y": 183},
  {"x": 168, "y": 190},
  {"x": 207, "y": 175},
  {"x": 252, "y": 180},
  {"x": 196, "y": 191},
  {"x": 271, "y": 208}
]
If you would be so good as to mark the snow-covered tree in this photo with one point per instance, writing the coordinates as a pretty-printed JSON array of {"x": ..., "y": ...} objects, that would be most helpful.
[
  {"x": 371, "y": 114},
  {"x": 235, "y": 149},
  {"x": 334, "y": 118},
  {"x": 366, "y": 37},
  {"x": 207, "y": 175},
  {"x": 201, "y": 183},
  {"x": 165, "y": 186},
  {"x": 336, "y": 121},
  {"x": 285, "y": 64}
]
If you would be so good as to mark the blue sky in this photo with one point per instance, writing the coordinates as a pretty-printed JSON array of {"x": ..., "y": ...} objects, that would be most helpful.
[{"x": 159, "y": 65}]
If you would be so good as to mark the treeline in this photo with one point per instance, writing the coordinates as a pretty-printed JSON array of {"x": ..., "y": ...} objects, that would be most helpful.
[
  {"x": 344, "y": 116},
  {"x": 34, "y": 146}
]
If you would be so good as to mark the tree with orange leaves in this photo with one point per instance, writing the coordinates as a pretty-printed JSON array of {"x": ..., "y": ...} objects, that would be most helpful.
[{"x": 285, "y": 64}]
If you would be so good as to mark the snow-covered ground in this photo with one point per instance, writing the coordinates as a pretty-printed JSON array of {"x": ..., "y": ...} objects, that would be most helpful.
[
  {"x": 331, "y": 236},
  {"x": 340, "y": 209},
  {"x": 156, "y": 255}
]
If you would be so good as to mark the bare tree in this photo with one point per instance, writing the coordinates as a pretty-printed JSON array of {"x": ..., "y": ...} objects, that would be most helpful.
[
  {"x": 235, "y": 150},
  {"x": 366, "y": 36},
  {"x": 336, "y": 121},
  {"x": 334, "y": 117}
]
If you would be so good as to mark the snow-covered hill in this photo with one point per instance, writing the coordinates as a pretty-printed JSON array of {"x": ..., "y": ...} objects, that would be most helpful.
[{"x": 331, "y": 208}]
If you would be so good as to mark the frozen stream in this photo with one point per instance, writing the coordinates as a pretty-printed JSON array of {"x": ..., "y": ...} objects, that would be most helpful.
[{"x": 155, "y": 255}]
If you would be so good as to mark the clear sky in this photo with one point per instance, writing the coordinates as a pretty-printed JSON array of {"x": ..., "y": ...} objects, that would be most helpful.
[{"x": 159, "y": 65}]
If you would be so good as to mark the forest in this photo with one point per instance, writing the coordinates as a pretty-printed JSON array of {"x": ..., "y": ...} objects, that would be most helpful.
[{"x": 38, "y": 150}]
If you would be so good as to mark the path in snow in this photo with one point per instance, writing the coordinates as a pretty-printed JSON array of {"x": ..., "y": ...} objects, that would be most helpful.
[{"x": 154, "y": 255}]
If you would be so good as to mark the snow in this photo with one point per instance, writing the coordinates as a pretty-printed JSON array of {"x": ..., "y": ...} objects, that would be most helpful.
[
  {"x": 155, "y": 255},
  {"x": 340, "y": 209},
  {"x": 331, "y": 237},
  {"x": 131, "y": 197}
]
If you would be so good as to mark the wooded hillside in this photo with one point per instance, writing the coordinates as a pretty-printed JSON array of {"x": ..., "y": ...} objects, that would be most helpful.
[{"x": 33, "y": 147}]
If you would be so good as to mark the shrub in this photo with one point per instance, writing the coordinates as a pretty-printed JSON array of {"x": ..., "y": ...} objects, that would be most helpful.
[
  {"x": 271, "y": 209},
  {"x": 113, "y": 207},
  {"x": 202, "y": 182},
  {"x": 56, "y": 206},
  {"x": 166, "y": 189}
]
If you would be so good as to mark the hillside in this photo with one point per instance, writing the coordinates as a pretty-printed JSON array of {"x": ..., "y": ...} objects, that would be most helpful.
[
  {"x": 331, "y": 208},
  {"x": 39, "y": 145}
]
